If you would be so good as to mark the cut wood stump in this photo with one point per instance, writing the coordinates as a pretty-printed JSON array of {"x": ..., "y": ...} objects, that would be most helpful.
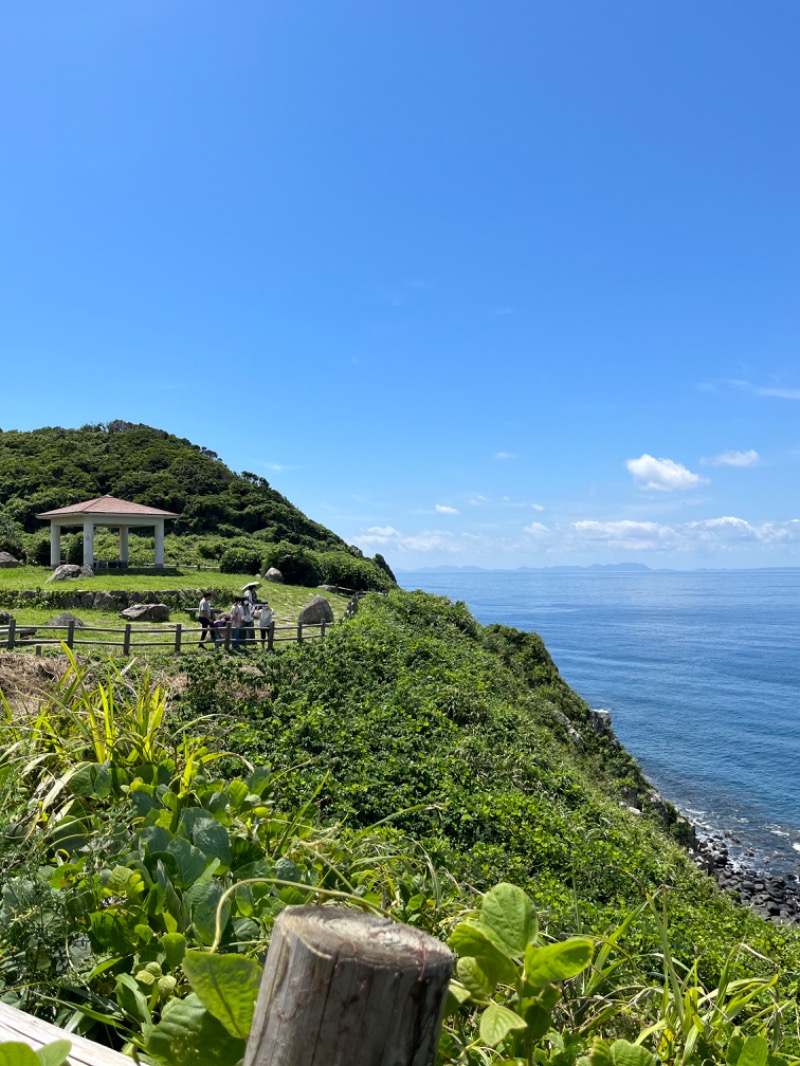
[{"x": 344, "y": 988}]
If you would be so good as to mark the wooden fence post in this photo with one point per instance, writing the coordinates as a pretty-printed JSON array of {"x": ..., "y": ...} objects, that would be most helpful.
[
  {"x": 228, "y": 636},
  {"x": 344, "y": 987},
  {"x": 299, "y": 633},
  {"x": 70, "y": 634},
  {"x": 178, "y": 634},
  {"x": 126, "y": 640},
  {"x": 322, "y": 628},
  {"x": 12, "y": 632},
  {"x": 271, "y": 637}
]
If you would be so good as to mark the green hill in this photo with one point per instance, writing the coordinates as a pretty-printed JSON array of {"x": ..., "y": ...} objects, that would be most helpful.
[{"x": 219, "y": 510}]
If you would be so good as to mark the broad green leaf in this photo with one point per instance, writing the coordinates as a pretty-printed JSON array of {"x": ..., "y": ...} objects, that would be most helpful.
[
  {"x": 470, "y": 939},
  {"x": 557, "y": 962},
  {"x": 478, "y": 975},
  {"x": 754, "y": 1053},
  {"x": 213, "y": 840},
  {"x": 16, "y": 1054},
  {"x": 456, "y": 995},
  {"x": 497, "y": 1022},
  {"x": 54, "y": 1054},
  {"x": 227, "y": 986},
  {"x": 626, "y": 1054},
  {"x": 191, "y": 861},
  {"x": 174, "y": 945},
  {"x": 131, "y": 999},
  {"x": 188, "y": 1035},
  {"x": 205, "y": 913},
  {"x": 507, "y": 910}
]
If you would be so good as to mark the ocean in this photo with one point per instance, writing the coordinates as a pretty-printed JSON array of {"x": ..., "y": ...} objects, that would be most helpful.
[{"x": 700, "y": 671}]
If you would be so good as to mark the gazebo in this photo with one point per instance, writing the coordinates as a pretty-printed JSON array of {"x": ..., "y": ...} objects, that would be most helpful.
[{"x": 106, "y": 511}]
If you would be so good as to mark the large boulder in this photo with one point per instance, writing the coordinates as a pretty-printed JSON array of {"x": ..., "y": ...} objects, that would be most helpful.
[
  {"x": 8, "y": 561},
  {"x": 61, "y": 621},
  {"x": 315, "y": 612},
  {"x": 69, "y": 571},
  {"x": 146, "y": 612},
  {"x": 274, "y": 575}
]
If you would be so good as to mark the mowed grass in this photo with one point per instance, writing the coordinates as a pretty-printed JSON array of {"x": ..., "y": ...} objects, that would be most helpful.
[{"x": 33, "y": 577}]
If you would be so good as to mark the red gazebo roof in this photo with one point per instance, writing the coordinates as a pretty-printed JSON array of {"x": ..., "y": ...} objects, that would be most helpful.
[{"x": 108, "y": 505}]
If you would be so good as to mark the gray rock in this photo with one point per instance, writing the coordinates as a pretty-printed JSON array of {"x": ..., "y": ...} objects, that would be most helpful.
[
  {"x": 64, "y": 619},
  {"x": 328, "y": 588},
  {"x": 8, "y": 561},
  {"x": 146, "y": 612},
  {"x": 68, "y": 572},
  {"x": 104, "y": 601},
  {"x": 28, "y": 594},
  {"x": 5, "y": 618},
  {"x": 319, "y": 610},
  {"x": 274, "y": 575}
]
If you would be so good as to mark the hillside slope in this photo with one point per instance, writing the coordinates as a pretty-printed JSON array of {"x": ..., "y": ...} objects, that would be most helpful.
[
  {"x": 468, "y": 738},
  {"x": 53, "y": 467}
]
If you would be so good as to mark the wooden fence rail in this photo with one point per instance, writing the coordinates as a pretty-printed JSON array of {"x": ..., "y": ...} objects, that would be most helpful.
[
  {"x": 15, "y": 635},
  {"x": 339, "y": 987}
]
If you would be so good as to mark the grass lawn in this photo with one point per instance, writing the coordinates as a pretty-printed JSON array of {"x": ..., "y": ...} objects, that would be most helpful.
[{"x": 32, "y": 577}]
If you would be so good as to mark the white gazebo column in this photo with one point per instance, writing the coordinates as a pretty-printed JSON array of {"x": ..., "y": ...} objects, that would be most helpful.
[
  {"x": 55, "y": 544},
  {"x": 123, "y": 545},
  {"x": 88, "y": 542},
  {"x": 159, "y": 542}
]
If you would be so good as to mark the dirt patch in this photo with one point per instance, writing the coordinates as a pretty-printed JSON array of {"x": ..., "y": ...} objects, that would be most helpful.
[{"x": 24, "y": 679}]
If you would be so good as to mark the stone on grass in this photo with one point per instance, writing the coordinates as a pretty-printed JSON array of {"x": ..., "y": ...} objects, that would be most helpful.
[
  {"x": 274, "y": 575},
  {"x": 7, "y": 560},
  {"x": 104, "y": 601},
  {"x": 5, "y": 618},
  {"x": 69, "y": 571},
  {"x": 61, "y": 621},
  {"x": 318, "y": 610},
  {"x": 146, "y": 612}
]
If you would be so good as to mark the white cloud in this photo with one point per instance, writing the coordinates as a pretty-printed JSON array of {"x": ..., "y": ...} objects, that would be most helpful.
[
  {"x": 505, "y": 455},
  {"x": 442, "y": 508},
  {"x": 663, "y": 475},
  {"x": 277, "y": 467},
  {"x": 778, "y": 392},
  {"x": 476, "y": 499},
  {"x": 537, "y": 529},
  {"x": 732, "y": 458},
  {"x": 537, "y": 507}
]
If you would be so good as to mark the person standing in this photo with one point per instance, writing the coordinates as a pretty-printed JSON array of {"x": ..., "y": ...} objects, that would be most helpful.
[
  {"x": 205, "y": 616},
  {"x": 248, "y": 626},
  {"x": 236, "y": 623},
  {"x": 266, "y": 622}
]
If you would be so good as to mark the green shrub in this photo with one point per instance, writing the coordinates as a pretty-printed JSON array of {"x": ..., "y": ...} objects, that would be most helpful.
[
  {"x": 299, "y": 566},
  {"x": 239, "y": 561},
  {"x": 10, "y": 535}
]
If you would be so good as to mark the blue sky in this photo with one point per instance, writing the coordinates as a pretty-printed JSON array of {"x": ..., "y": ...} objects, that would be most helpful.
[{"x": 496, "y": 284}]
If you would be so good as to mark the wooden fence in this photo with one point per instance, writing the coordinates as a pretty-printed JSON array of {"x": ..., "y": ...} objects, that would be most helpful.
[
  {"x": 339, "y": 986},
  {"x": 177, "y": 639}
]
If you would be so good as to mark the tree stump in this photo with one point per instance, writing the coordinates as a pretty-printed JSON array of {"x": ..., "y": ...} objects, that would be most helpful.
[{"x": 345, "y": 988}]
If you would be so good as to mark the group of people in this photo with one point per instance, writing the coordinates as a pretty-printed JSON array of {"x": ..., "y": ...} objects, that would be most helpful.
[{"x": 241, "y": 616}]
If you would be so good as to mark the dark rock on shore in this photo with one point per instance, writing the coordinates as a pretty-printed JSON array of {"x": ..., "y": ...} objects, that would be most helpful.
[{"x": 774, "y": 898}]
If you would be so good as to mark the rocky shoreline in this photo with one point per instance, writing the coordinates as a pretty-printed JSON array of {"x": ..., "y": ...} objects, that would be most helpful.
[{"x": 774, "y": 897}]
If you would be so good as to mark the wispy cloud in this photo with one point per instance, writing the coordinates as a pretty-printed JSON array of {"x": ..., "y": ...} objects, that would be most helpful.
[
  {"x": 279, "y": 468},
  {"x": 476, "y": 500},
  {"x": 662, "y": 475},
  {"x": 442, "y": 508},
  {"x": 505, "y": 455},
  {"x": 733, "y": 458},
  {"x": 713, "y": 538},
  {"x": 779, "y": 392},
  {"x": 537, "y": 507}
]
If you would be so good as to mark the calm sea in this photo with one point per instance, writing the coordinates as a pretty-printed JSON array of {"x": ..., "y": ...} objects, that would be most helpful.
[{"x": 700, "y": 670}]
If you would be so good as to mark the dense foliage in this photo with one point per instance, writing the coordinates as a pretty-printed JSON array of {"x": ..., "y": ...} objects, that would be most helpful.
[
  {"x": 218, "y": 510},
  {"x": 407, "y": 763}
]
